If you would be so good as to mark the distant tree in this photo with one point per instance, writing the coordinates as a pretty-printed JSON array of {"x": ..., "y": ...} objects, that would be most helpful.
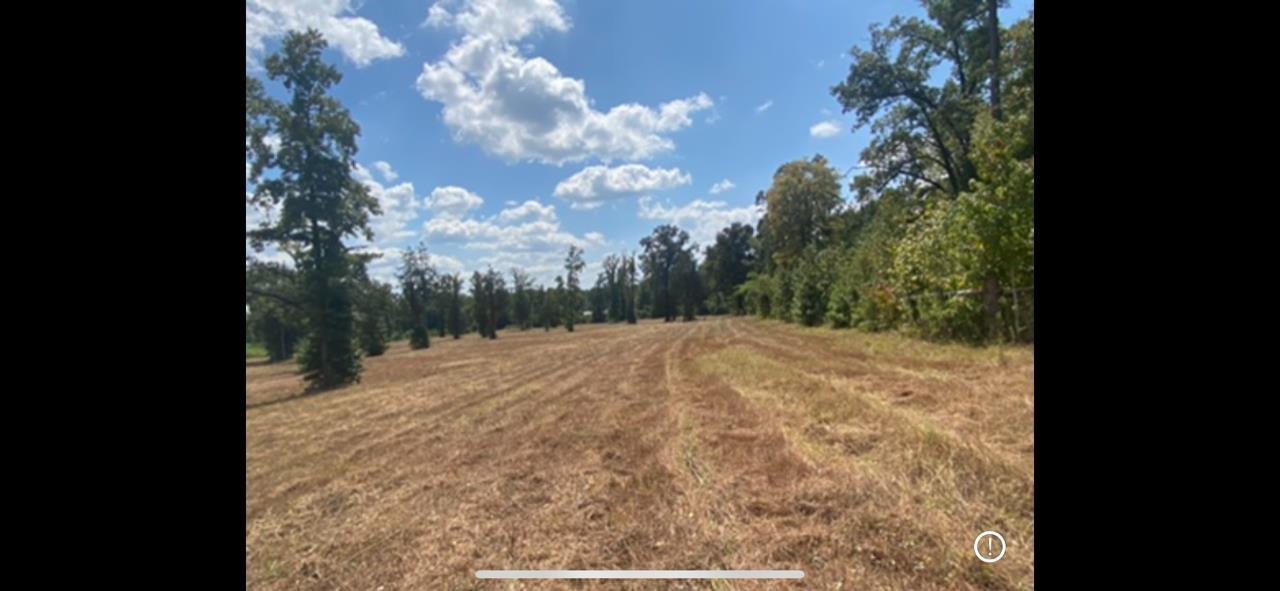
[
  {"x": 613, "y": 296},
  {"x": 451, "y": 295},
  {"x": 662, "y": 251},
  {"x": 320, "y": 201},
  {"x": 480, "y": 303},
  {"x": 573, "y": 265},
  {"x": 559, "y": 297},
  {"x": 523, "y": 304},
  {"x": 374, "y": 303},
  {"x": 417, "y": 280},
  {"x": 495, "y": 299},
  {"x": 549, "y": 308},
  {"x": 685, "y": 283},
  {"x": 728, "y": 262},
  {"x": 630, "y": 287},
  {"x": 599, "y": 296},
  {"x": 275, "y": 316}
]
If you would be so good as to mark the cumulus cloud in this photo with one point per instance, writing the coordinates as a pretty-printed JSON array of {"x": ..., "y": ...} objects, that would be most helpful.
[
  {"x": 453, "y": 201},
  {"x": 522, "y": 108},
  {"x": 398, "y": 203},
  {"x": 528, "y": 210},
  {"x": 594, "y": 184},
  {"x": 384, "y": 169},
  {"x": 825, "y": 129},
  {"x": 527, "y": 231},
  {"x": 701, "y": 219},
  {"x": 356, "y": 38}
]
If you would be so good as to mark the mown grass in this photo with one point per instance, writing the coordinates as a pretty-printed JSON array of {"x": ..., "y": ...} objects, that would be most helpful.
[{"x": 941, "y": 476}]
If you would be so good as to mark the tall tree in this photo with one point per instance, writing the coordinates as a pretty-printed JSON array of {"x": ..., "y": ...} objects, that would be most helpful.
[
  {"x": 922, "y": 136},
  {"x": 320, "y": 202},
  {"x": 573, "y": 265}
]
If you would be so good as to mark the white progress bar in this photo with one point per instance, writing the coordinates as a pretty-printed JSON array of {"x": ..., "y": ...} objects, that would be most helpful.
[{"x": 639, "y": 574}]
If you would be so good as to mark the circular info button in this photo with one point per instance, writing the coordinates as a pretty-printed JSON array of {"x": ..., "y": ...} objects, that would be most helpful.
[{"x": 989, "y": 546}]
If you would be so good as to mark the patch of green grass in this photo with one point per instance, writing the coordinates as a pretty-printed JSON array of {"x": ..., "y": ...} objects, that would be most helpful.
[{"x": 254, "y": 350}]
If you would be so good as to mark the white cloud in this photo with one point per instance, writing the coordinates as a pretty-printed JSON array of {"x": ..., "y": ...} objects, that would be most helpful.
[
  {"x": 438, "y": 17},
  {"x": 522, "y": 108},
  {"x": 722, "y": 186},
  {"x": 529, "y": 210},
  {"x": 825, "y": 129},
  {"x": 399, "y": 207},
  {"x": 821, "y": 63},
  {"x": 388, "y": 174},
  {"x": 594, "y": 184},
  {"x": 764, "y": 106},
  {"x": 701, "y": 219},
  {"x": 453, "y": 201},
  {"x": 528, "y": 235},
  {"x": 357, "y": 38}
]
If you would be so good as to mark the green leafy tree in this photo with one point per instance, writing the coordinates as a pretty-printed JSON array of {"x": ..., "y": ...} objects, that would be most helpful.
[
  {"x": 662, "y": 252},
  {"x": 728, "y": 262},
  {"x": 801, "y": 203},
  {"x": 320, "y": 202},
  {"x": 921, "y": 131}
]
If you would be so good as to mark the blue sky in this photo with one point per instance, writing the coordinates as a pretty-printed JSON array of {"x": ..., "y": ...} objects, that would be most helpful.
[{"x": 502, "y": 131}]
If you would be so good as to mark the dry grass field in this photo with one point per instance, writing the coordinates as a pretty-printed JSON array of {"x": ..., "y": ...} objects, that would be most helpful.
[{"x": 869, "y": 461}]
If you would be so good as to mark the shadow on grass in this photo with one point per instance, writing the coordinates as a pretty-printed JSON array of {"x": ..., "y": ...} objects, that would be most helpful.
[
  {"x": 310, "y": 392},
  {"x": 281, "y": 400}
]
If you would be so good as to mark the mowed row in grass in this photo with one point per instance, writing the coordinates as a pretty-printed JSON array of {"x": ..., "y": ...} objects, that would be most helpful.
[{"x": 866, "y": 460}]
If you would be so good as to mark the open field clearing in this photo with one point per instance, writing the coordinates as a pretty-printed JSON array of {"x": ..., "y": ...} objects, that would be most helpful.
[{"x": 868, "y": 461}]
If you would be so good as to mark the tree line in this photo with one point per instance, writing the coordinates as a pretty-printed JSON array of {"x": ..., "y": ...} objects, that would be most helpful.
[{"x": 937, "y": 242}]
